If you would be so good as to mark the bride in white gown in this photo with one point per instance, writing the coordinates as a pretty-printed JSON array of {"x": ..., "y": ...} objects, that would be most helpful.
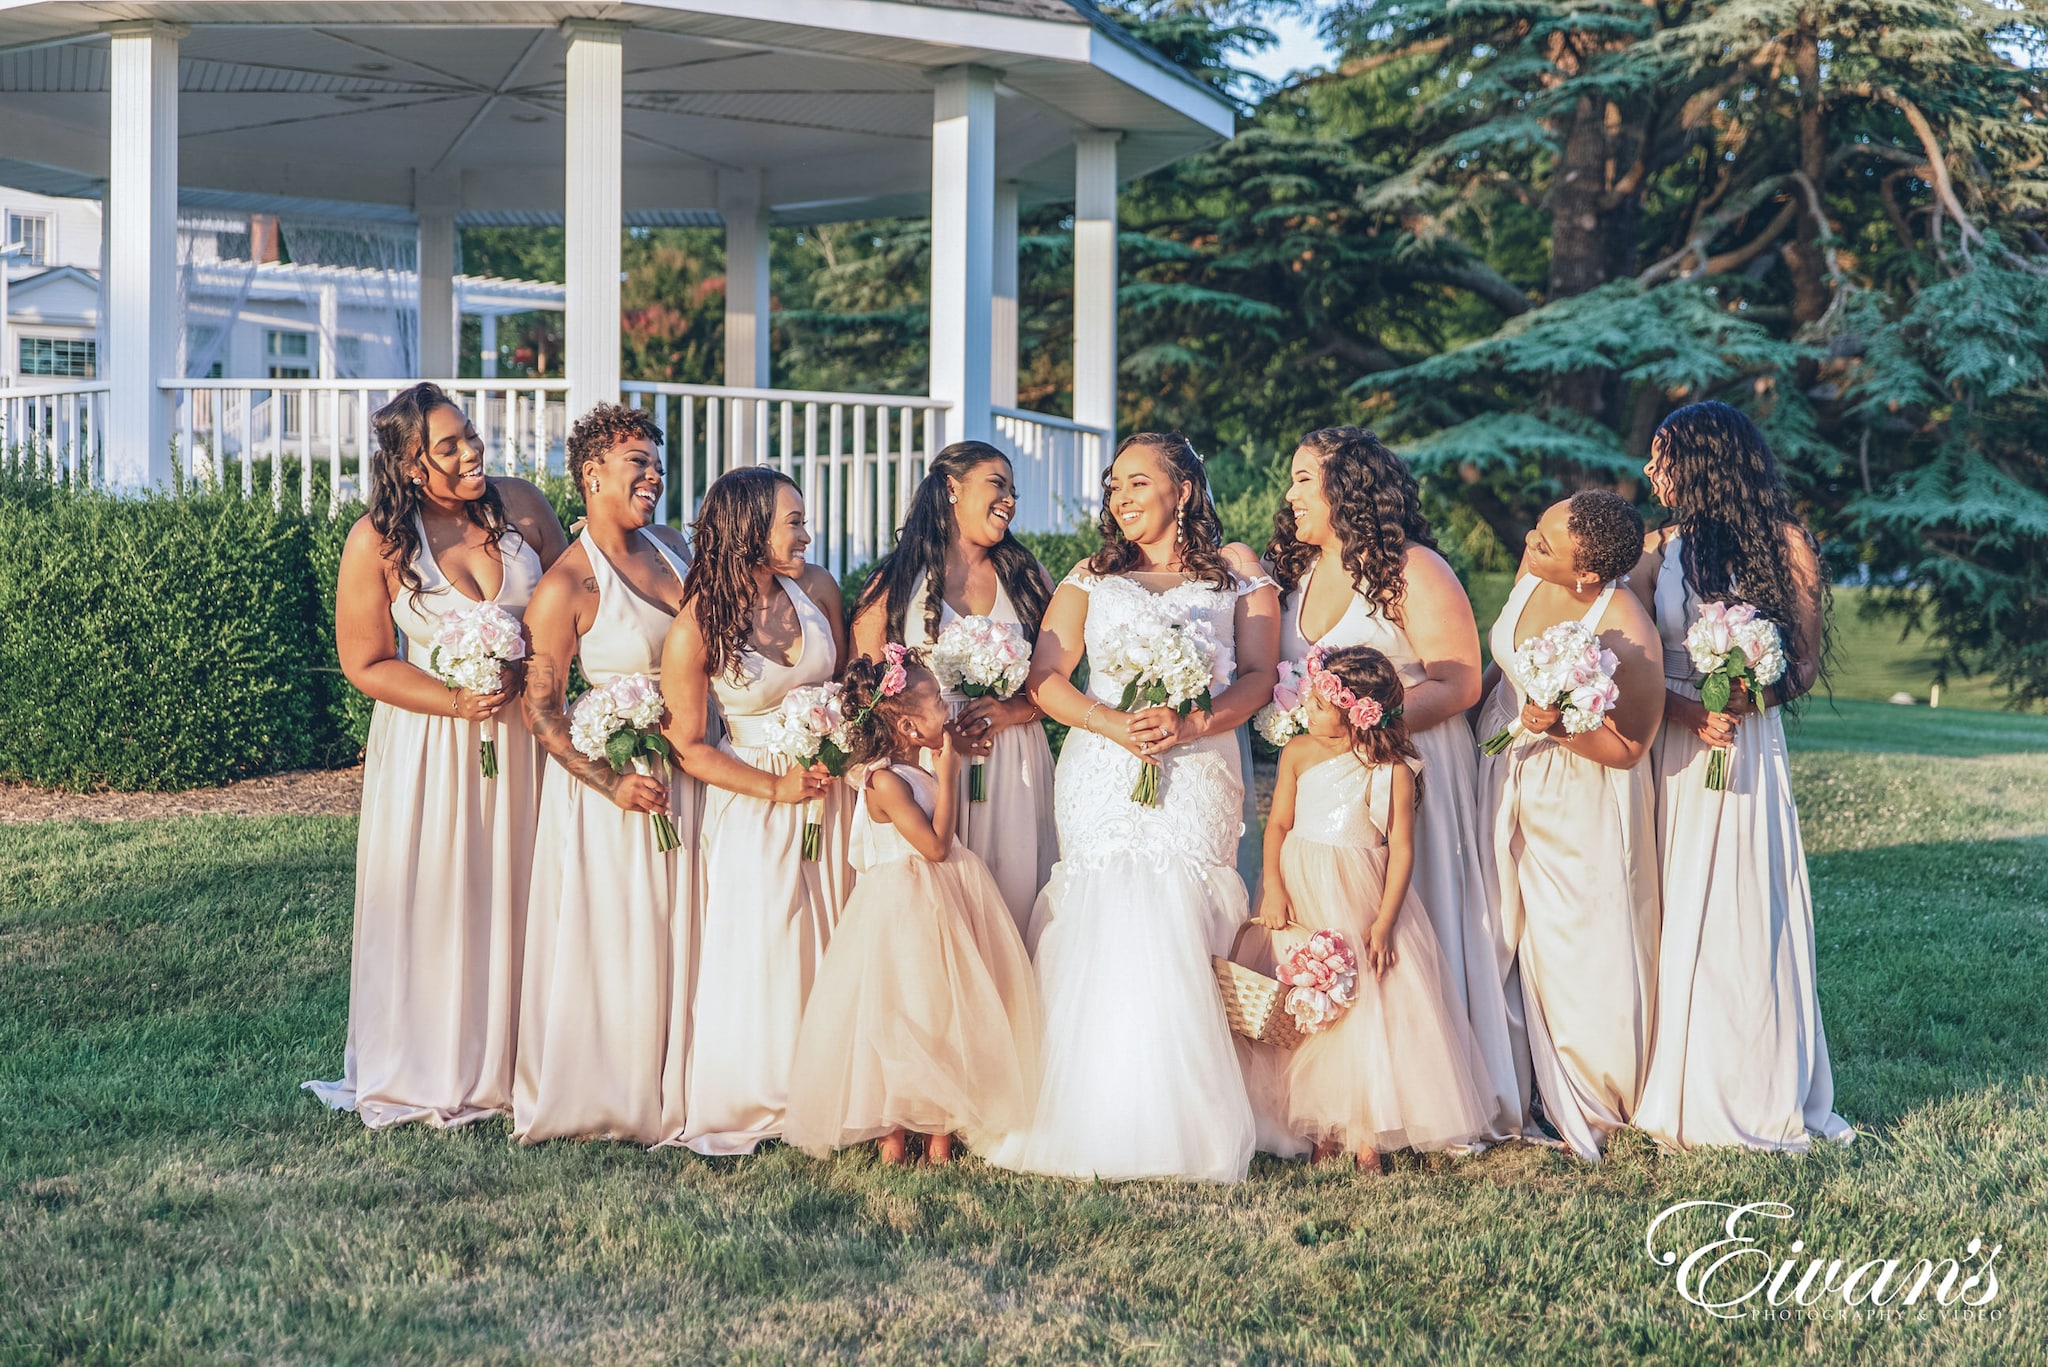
[{"x": 1141, "y": 1078}]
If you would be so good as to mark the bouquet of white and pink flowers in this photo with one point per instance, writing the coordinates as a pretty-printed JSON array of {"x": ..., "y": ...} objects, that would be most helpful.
[
  {"x": 1729, "y": 641},
  {"x": 980, "y": 657},
  {"x": 810, "y": 728},
  {"x": 1321, "y": 978},
  {"x": 471, "y": 649},
  {"x": 1564, "y": 668},
  {"x": 620, "y": 723},
  {"x": 1161, "y": 663},
  {"x": 1286, "y": 717}
]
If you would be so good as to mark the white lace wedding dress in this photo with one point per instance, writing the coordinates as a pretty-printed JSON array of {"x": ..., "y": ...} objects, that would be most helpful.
[{"x": 1140, "y": 1076}]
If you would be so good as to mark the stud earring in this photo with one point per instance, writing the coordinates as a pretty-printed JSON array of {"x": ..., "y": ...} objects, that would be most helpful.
[{"x": 952, "y": 498}]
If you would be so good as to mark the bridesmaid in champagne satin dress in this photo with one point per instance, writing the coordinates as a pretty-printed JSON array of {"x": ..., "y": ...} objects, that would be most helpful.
[
  {"x": 757, "y": 621},
  {"x": 1574, "y": 827},
  {"x": 604, "y": 1012},
  {"x": 1741, "y": 1056},
  {"x": 957, "y": 533},
  {"x": 1340, "y": 479},
  {"x": 442, "y": 853}
]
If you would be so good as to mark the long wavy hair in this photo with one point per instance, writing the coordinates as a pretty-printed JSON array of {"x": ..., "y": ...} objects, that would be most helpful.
[
  {"x": 1370, "y": 674},
  {"x": 401, "y": 430},
  {"x": 1201, "y": 530},
  {"x": 928, "y": 530},
  {"x": 1375, "y": 509},
  {"x": 1732, "y": 510},
  {"x": 730, "y": 536}
]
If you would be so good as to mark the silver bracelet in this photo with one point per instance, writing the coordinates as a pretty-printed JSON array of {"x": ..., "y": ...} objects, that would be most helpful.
[{"x": 1088, "y": 717}]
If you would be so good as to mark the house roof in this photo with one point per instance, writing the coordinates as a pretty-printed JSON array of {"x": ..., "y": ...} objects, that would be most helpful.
[{"x": 337, "y": 104}]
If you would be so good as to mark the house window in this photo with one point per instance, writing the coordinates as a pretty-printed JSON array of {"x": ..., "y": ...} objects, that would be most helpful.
[
  {"x": 290, "y": 355},
  {"x": 199, "y": 341},
  {"x": 72, "y": 358},
  {"x": 32, "y": 231}
]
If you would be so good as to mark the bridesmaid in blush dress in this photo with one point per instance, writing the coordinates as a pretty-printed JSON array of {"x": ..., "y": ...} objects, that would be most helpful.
[
  {"x": 955, "y": 558},
  {"x": 1574, "y": 826},
  {"x": 1357, "y": 566},
  {"x": 1741, "y": 1057},
  {"x": 443, "y": 852},
  {"x": 757, "y": 621},
  {"x": 603, "y": 1019}
]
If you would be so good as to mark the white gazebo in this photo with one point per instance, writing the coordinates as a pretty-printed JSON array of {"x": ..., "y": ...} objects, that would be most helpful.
[{"x": 597, "y": 117}]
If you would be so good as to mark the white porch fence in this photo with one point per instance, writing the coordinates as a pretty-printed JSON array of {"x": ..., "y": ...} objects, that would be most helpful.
[{"x": 857, "y": 457}]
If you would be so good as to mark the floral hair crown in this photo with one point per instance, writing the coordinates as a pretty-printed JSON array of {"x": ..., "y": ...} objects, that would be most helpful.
[
  {"x": 1364, "y": 713},
  {"x": 895, "y": 678}
]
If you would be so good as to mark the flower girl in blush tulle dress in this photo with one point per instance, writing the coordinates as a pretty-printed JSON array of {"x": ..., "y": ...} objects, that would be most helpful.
[
  {"x": 1398, "y": 1070},
  {"x": 924, "y": 1018}
]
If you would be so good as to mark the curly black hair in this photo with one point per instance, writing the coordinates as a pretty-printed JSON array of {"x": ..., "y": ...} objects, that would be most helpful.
[
  {"x": 1733, "y": 511},
  {"x": 602, "y": 428},
  {"x": 1201, "y": 547},
  {"x": 1376, "y": 509},
  {"x": 1607, "y": 534}
]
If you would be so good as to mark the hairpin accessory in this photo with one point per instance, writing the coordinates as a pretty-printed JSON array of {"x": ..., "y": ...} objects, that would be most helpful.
[{"x": 1364, "y": 713}]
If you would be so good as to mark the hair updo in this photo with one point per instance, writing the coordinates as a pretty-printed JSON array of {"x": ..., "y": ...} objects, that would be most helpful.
[{"x": 601, "y": 429}]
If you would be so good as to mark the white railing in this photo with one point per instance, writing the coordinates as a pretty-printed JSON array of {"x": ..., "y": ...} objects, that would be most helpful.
[
  {"x": 857, "y": 457},
  {"x": 239, "y": 424},
  {"x": 53, "y": 430},
  {"x": 1059, "y": 465}
]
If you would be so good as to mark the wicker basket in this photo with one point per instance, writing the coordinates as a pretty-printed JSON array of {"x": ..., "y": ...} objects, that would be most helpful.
[{"x": 1253, "y": 1002}]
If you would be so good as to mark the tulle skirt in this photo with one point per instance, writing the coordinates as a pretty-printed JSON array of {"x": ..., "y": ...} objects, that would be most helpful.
[
  {"x": 924, "y": 1014},
  {"x": 1399, "y": 1069},
  {"x": 1140, "y": 1076}
]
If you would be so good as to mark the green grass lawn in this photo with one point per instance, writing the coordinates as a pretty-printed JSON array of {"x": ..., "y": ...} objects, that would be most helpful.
[{"x": 168, "y": 1194}]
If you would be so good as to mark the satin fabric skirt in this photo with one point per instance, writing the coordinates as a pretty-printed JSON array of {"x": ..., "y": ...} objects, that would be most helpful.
[
  {"x": 1740, "y": 1055},
  {"x": 1453, "y": 883},
  {"x": 768, "y": 915},
  {"x": 442, "y": 862},
  {"x": 1575, "y": 850},
  {"x": 604, "y": 1013}
]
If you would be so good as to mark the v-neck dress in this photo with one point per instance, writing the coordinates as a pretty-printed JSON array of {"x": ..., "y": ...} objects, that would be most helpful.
[
  {"x": 1013, "y": 830},
  {"x": 604, "y": 1011},
  {"x": 1450, "y": 878},
  {"x": 768, "y": 912},
  {"x": 1575, "y": 855},
  {"x": 442, "y": 862}
]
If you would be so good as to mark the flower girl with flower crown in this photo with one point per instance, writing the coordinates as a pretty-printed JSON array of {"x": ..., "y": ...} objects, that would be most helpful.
[
  {"x": 924, "y": 1017},
  {"x": 1397, "y": 1070}
]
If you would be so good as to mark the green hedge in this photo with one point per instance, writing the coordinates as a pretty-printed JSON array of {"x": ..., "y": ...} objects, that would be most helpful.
[{"x": 159, "y": 643}]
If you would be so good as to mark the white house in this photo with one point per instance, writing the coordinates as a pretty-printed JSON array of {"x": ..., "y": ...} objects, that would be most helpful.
[
  {"x": 243, "y": 317},
  {"x": 430, "y": 113}
]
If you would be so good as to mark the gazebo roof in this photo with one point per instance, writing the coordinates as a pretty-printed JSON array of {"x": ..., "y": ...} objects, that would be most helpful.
[{"x": 332, "y": 106}]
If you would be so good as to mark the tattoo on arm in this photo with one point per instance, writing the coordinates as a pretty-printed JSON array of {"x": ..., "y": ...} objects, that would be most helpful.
[
  {"x": 590, "y": 584},
  {"x": 549, "y": 721}
]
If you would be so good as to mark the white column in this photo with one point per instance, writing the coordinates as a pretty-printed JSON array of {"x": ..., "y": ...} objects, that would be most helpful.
[
  {"x": 1002, "y": 346},
  {"x": 490, "y": 345},
  {"x": 330, "y": 334},
  {"x": 594, "y": 211},
  {"x": 436, "y": 198},
  {"x": 141, "y": 294},
  {"x": 1095, "y": 280},
  {"x": 963, "y": 247},
  {"x": 743, "y": 204}
]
